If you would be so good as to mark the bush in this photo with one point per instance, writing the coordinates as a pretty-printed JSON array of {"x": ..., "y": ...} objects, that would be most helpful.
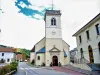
[
  {"x": 8, "y": 68},
  {"x": 51, "y": 64},
  {"x": 13, "y": 66},
  {"x": 43, "y": 64},
  {"x": 59, "y": 64},
  {"x": 33, "y": 62},
  {"x": 4, "y": 70}
]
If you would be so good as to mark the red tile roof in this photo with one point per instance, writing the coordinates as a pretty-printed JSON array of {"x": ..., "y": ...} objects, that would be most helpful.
[{"x": 6, "y": 49}]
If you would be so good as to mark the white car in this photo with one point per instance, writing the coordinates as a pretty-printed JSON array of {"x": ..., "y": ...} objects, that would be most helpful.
[{"x": 25, "y": 60}]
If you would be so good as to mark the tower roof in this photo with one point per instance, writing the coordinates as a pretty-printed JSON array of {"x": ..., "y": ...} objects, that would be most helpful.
[{"x": 52, "y": 12}]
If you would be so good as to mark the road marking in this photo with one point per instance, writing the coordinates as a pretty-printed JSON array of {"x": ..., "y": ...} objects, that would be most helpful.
[
  {"x": 29, "y": 68},
  {"x": 21, "y": 68},
  {"x": 25, "y": 72}
]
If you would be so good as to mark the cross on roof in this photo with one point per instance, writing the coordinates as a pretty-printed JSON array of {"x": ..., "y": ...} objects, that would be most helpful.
[{"x": 52, "y": 5}]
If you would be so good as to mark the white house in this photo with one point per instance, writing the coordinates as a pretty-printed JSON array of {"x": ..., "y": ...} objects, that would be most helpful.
[
  {"x": 51, "y": 49},
  {"x": 7, "y": 55},
  {"x": 88, "y": 41}
]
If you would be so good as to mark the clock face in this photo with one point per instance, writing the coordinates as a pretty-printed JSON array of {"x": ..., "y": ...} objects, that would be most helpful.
[{"x": 53, "y": 32}]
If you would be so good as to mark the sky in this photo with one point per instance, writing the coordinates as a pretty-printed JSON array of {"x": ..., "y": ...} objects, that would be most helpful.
[{"x": 22, "y": 24}]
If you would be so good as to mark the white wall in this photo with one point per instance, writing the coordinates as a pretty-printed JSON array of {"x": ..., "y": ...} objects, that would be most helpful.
[
  {"x": 42, "y": 59},
  {"x": 66, "y": 49},
  {"x": 32, "y": 56},
  {"x": 94, "y": 40},
  {"x": 40, "y": 45},
  {"x": 53, "y": 33},
  {"x": 51, "y": 42},
  {"x": 7, "y": 55},
  {"x": 51, "y": 30}
]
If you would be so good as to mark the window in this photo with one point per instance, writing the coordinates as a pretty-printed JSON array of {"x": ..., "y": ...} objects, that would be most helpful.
[
  {"x": 98, "y": 28},
  {"x": 53, "y": 21},
  {"x": 80, "y": 39},
  {"x": 91, "y": 57},
  {"x": 38, "y": 58},
  {"x": 2, "y": 54},
  {"x": 81, "y": 51},
  {"x": 2, "y": 61},
  {"x": 87, "y": 33},
  {"x": 8, "y": 60}
]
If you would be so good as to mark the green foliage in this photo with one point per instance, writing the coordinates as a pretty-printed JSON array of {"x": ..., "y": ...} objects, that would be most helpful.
[
  {"x": 3, "y": 46},
  {"x": 4, "y": 70},
  {"x": 22, "y": 50},
  {"x": 13, "y": 66},
  {"x": 43, "y": 64},
  {"x": 26, "y": 52},
  {"x": 8, "y": 68}
]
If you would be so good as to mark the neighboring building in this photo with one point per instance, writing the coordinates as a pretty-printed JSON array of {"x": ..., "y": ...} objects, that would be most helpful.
[
  {"x": 7, "y": 55},
  {"x": 73, "y": 56},
  {"x": 20, "y": 56},
  {"x": 51, "y": 49},
  {"x": 88, "y": 41}
]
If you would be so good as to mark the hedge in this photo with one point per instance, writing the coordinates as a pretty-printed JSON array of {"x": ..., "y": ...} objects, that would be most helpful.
[{"x": 8, "y": 68}]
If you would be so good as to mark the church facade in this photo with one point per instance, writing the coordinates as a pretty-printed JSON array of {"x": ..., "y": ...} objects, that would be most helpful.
[{"x": 52, "y": 48}]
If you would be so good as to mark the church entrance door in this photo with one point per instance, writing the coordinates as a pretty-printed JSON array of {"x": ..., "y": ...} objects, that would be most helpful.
[{"x": 55, "y": 60}]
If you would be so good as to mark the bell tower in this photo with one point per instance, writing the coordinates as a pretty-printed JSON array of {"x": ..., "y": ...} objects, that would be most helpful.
[
  {"x": 53, "y": 24},
  {"x": 53, "y": 35}
]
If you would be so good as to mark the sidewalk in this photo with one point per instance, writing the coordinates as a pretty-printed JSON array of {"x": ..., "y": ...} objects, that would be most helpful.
[
  {"x": 66, "y": 70},
  {"x": 86, "y": 72}
]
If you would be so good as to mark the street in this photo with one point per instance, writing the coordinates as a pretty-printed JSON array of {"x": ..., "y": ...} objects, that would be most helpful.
[{"x": 24, "y": 69}]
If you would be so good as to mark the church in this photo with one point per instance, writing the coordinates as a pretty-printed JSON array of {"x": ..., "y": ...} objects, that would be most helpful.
[{"x": 52, "y": 48}]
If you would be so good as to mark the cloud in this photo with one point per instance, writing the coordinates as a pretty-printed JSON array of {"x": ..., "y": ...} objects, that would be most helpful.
[{"x": 27, "y": 9}]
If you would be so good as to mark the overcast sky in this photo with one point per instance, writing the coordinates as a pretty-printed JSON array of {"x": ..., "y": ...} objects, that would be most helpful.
[{"x": 22, "y": 24}]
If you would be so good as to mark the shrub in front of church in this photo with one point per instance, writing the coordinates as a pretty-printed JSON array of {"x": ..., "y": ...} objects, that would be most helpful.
[
  {"x": 59, "y": 64},
  {"x": 51, "y": 64},
  {"x": 33, "y": 62},
  {"x": 43, "y": 64}
]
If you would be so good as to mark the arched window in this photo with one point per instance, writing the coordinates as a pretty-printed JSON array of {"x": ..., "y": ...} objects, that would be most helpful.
[
  {"x": 99, "y": 47},
  {"x": 97, "y": 28},
  {"x": 53, "y": 21},
  {"x": 38, "y": 58},
  {"x": 90, "y": 54},
  {"x": 81, "y": 51}
]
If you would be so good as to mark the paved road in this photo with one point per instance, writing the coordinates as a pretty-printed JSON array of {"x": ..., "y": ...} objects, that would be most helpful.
[{"x": 24, "y": 69}]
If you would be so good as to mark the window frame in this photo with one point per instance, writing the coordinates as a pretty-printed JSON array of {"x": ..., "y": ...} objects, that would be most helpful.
[
  {"x": 88, "y": 34},
  {"x": 53, "y": 21},
  {"x": 8, "y": 60},
  {"x": 81, "y": 51},
  {"x": 38, "y": 57},
  {"x": 80, "y": 39},
  {"x": 2, "y": 54},
  {"x": 97, "y": 26}
]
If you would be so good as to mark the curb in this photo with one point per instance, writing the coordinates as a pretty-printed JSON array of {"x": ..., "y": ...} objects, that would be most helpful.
[{"x": 11, "y": 72}]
